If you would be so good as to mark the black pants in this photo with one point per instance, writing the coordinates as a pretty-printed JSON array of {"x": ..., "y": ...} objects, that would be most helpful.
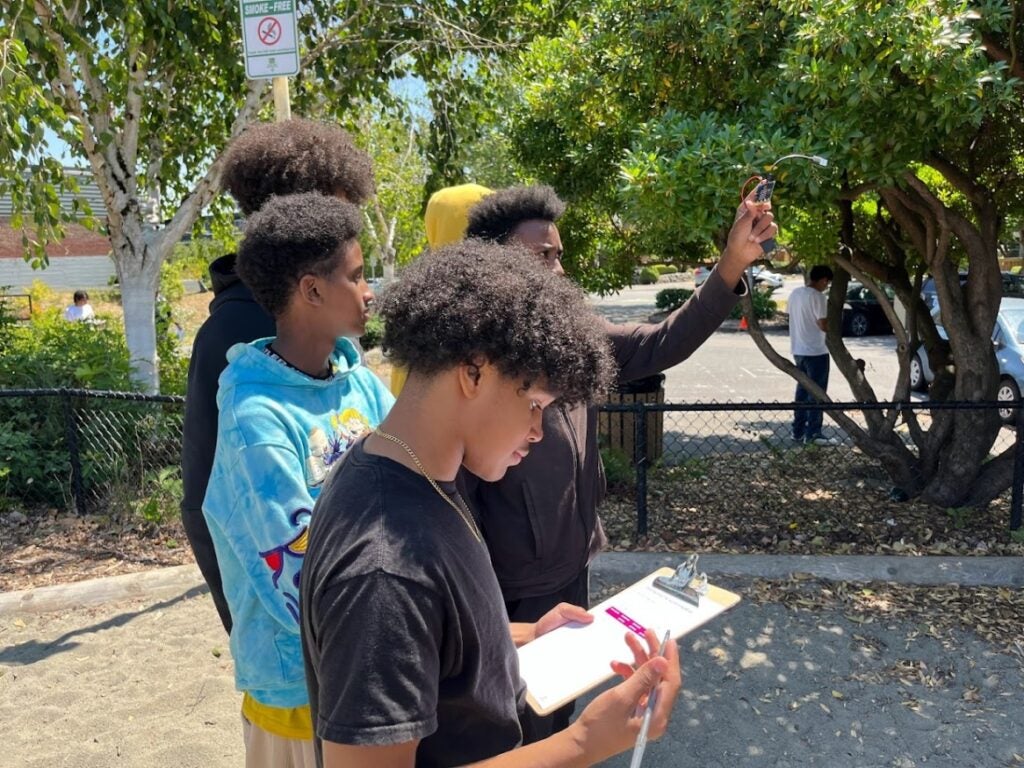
[
  {"x": 537, "y": 727},
  {"x": 206, "y": 558},
  {"x": 807, "y": 422}
]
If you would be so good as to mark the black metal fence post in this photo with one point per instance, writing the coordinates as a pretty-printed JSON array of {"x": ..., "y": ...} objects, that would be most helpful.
[
  {"x": 71, "y": 433},
  {"x": 1017, "y": 492},
  {"x": 640, "y": 462}
]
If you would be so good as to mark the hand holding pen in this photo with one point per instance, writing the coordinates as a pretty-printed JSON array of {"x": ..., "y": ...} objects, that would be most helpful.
[
  {"x": 645, "y": 725},
  {"x": 612, "y": 721}
]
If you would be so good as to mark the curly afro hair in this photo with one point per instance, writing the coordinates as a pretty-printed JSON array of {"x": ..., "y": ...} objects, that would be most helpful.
[
  {"x": 292, "y": 236},
  {"x": 295, "y": 156},
  {"x": 476, "y": 299},
  {"x": 497, "y": 215}
]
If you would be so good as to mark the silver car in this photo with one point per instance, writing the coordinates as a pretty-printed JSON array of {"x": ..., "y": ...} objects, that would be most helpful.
[{"x": 1008, "y": 338}]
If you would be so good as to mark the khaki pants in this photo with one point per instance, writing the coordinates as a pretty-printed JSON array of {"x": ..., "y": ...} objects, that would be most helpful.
[{"x": 265, "y": 750}]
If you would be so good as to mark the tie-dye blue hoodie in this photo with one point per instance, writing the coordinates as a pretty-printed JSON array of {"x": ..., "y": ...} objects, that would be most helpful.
[{"x": 278, "y": 433}]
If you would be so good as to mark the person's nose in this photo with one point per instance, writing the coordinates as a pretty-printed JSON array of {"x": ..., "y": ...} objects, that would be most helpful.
[
  {"x": 536, "y": 433},
  {"x": 557, "y": 268}
]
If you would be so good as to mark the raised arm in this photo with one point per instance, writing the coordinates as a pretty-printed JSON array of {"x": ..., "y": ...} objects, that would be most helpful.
[{"x": 645, "y": 349}]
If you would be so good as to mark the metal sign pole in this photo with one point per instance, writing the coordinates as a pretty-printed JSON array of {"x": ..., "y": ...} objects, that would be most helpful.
[{"x": 282, "y": 103}]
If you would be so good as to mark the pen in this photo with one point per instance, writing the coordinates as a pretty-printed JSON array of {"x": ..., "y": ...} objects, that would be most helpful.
[{"x": 652, "y": 699}]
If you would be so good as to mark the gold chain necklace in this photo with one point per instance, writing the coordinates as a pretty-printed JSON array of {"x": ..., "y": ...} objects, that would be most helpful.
[{"x": 467, "y": 518}]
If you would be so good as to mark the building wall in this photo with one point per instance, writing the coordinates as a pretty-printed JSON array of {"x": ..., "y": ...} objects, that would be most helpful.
[
  {"x": 65, "y": 273},
  {"x": 80, "y": 260}
]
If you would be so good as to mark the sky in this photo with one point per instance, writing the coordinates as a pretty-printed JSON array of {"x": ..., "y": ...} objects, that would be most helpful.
[{"x": 411, "y": 89}]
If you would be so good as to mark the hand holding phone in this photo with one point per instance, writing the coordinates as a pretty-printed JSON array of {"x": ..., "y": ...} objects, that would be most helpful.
[{"x": 763, "y": 194}]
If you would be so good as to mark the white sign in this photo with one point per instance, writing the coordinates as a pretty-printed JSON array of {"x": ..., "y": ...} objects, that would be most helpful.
[{"x": 270, "y": 38}]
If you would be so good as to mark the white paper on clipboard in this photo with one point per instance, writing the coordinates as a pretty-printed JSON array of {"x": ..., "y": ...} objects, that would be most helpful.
[{"x": 575, "y": 658}]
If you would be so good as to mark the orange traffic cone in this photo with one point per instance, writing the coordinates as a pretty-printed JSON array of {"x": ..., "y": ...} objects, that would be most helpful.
[{"x": 743, "y": 323}]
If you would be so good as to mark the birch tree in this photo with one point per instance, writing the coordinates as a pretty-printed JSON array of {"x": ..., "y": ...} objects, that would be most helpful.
[{"x": 147, "y": 95}]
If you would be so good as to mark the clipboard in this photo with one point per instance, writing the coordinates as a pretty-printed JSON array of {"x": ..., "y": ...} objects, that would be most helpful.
[{"x": 568, "y": 662}]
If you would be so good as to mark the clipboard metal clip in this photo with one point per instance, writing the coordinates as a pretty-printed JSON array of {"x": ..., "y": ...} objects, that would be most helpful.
[{"x": 685, "y": 584}]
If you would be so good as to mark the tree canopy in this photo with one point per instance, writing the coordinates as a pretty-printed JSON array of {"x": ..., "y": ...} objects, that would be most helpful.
[{"x": 652, "y": 114}]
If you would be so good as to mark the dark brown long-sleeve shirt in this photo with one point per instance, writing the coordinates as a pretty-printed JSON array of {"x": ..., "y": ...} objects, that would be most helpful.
[{"x": 540, "y": 520}]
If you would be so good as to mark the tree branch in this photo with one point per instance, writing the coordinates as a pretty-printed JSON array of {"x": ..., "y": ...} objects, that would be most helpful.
[
  {"x": 903, "y": 341},
  {"x": 997, "y": 52},
  {"x": 206, "y": 188},
  {"x": 66, "y": 87},
  {"x": 133, "y": 101},
  {"x": 970, "y": 189}
]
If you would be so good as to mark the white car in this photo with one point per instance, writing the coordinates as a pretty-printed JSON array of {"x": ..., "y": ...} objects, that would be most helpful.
[{"x": 764, "y": 275}]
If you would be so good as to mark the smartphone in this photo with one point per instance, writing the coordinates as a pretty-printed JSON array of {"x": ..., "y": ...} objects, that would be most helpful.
[{"x": 762, "y": 194}]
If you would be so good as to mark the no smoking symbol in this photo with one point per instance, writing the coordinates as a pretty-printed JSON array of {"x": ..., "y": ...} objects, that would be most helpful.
[{"x": 269, "y": 30}]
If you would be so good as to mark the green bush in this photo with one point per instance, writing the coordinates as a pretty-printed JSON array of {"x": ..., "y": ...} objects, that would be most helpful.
[
  {"x": 163, "y": 502},
  {"x": 193, "y": 259},
  {"x": 663, "y": 269},
  {"x": 50, "y": 352},
  {"x": 648, "y": 276},
  {"x": 764, "y": 307},
  {"x": 618, "y": 467},
  {"x": 34, "y": 464},
  {"x": 671, "y": 299},
  {"x": 374, "y": 333}
]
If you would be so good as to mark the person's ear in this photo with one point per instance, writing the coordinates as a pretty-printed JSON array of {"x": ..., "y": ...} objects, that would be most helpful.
[
  {"x": 470, "y": 375},
  {"x": 309, "y": 290}
]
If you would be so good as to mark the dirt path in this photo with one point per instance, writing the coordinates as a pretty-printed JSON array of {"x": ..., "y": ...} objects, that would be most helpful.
[{"x": 140, "y": 685}]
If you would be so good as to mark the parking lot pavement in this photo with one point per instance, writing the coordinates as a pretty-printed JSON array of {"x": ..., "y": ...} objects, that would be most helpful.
[
  {"x": 728, "y": 367},
  {"x": 766, "y": 685}
]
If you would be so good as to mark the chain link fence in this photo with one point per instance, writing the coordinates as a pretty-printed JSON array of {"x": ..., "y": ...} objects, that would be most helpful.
[
  {"x": 99, "y": 452},
  {"x": 736, "y": 449},
  {"x": 91, "y": 451}
]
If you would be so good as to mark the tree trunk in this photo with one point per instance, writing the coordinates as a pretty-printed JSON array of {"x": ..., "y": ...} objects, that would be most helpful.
[
  {"x": 961, "y": 455},
  {"x": 951, "y": 465},
  {"x": 388, "y": 252},
  {"x": 138, "y": 271}
]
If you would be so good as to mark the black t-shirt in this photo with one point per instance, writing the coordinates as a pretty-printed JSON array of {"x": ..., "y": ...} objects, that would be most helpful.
[{"x": 404, "y": 633}]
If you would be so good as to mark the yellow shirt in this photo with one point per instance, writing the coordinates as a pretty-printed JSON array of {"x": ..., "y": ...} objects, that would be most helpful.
[{"x": 294, "y": 723}]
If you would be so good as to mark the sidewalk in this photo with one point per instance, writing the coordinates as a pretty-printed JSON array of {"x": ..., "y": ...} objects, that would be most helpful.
[{"x": 147, "y": 683}]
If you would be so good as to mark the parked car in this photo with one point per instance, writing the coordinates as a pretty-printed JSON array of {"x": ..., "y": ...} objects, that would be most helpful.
[
  {"x": 862, "y": 314},
  {"x": 1013, "y": 285},
  {"x": 765, "y": 276},
  {"x": 700, "y": 274},
  {"x": 1008, "y": 338},
  {"x": 931, "y": 295}
]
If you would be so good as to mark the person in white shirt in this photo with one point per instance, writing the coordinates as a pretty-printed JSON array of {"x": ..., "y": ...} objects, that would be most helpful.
[
  {"x": 808, "y": 309},
  {"x": 81, "y": 310}
]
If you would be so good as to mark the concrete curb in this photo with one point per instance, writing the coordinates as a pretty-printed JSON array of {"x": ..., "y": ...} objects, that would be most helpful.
[
  {"x": 614, "y": 567},
  {"x": 162, "y": 582},
  {"x": 897, "y": 569}
]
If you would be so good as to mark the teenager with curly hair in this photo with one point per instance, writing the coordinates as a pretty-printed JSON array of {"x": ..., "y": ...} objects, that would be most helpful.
[
  {"x": 267, "y": 159},
  {"x": 540, "y": 520},
  {"x": 290, "y": 407},
  {"x": 409, "y": 654}
]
